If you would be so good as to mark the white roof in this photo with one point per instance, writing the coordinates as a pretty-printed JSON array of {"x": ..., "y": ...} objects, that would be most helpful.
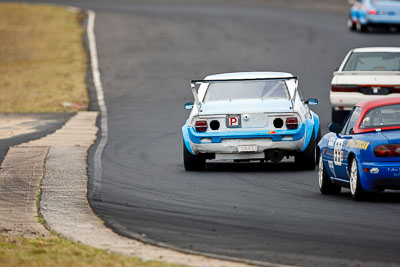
[
  {"x": 377, "y": 49},
  {"x": 248, "y": 75}
]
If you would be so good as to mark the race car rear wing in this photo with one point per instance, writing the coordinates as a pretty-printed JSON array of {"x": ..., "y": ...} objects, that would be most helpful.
[{"x": 193, "y": 84}]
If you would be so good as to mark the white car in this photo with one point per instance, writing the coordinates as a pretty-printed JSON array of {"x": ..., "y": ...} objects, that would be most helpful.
[
  {"x": 365, "y": 74},
  {"x": 249, "y": 116}
]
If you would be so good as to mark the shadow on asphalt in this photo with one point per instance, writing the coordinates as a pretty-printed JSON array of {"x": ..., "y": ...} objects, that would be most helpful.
[
  {"x": 381, "y": 197},
  {"x": 251, "y": 167},
  {"x": 381, "y": 31}
]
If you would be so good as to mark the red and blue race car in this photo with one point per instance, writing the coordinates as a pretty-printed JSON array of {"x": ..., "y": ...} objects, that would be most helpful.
[{"x": 364, "y": 153}]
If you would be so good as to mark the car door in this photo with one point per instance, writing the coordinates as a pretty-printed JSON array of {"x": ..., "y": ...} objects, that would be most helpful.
[{"x": 341, "y": 150}]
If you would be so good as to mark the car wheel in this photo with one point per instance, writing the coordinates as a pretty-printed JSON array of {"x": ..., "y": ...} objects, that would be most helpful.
[
  {"x": 361, "y": 28},
  {"x": 319, "y": 136},
  {"x": 338, "y": 116},
  {"x": 193, "y": 162},
  {"x": 306, "y": 159},
  {"x": 326, "y": 185},
  {"x": 350, "y": 24},
  {"x": 357, "y": 192}
]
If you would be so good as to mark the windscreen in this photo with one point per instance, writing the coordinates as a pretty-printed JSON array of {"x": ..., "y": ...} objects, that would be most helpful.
[
  {"x": 373, "y": 61},
  {"x": 246, "y": 90},
  {"x": 384, "y": 116}
]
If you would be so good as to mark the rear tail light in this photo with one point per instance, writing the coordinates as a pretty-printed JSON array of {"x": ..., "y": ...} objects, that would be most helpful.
[
  {"x": 292, "y": 123},
  {"x": 201, "y": 126},
  {"x": 344, "y": 88},
  {"x": 390, "y": 150},
  {"x": 355, "y": 88},
  {"x": 372, "y": 12}
]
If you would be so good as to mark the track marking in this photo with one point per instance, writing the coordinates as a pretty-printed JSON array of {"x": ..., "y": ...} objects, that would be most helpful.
[{"x": 96, "y": 194}]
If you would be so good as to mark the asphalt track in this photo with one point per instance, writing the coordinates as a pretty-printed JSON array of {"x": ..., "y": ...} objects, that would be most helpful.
[{"x": 264, "y": 212}]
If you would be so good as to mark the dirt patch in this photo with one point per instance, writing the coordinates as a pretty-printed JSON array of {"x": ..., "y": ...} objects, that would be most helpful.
[{"x": 14, "y": 125}]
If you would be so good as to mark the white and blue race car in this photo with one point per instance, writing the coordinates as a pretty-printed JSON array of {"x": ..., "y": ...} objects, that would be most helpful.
[{"x": 249, "y": 116}]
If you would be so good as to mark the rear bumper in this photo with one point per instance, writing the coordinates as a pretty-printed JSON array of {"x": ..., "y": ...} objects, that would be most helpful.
[
  {"x": 383, "y": 24},
  {"x": 346, "y": 101},
  {"x": 376, "y": 20},
  {"x": 383, "y": 20},
  {"x": 232, "y": 146},
  {"x": 380, "y": 175},
  {"x": 246, "y": 144}
]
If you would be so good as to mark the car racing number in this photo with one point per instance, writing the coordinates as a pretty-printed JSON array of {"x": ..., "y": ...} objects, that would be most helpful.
[{"x": 338, "y": 152}]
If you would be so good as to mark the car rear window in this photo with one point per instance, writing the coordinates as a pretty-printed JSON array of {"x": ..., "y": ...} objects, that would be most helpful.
[
  {"x": 246, "y": 89},
  {"x": 383, "y": 116},
  {"x": 373, "y": 61}
]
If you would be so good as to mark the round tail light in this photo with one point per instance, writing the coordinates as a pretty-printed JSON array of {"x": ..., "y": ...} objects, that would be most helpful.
[
  {"x": 201, "y": 126},
  {"x": 292, "y": 123}
]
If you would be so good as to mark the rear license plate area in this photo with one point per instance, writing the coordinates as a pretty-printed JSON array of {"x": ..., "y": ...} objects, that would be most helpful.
[{"x": 247, "y": 148}]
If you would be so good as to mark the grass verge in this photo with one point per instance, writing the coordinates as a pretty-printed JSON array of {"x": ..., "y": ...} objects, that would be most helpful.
[
  {"x": 23, "y": 252},
  {"x": 43, "y": 61}
]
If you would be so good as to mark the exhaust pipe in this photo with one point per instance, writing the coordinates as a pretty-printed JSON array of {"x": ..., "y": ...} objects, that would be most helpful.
[{"x": 275, "y": 155}]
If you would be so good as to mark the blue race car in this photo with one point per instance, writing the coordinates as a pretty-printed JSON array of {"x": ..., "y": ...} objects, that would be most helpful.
[
  {"x": 248, "y": 116},
  {"x": 376, "y": 13},
  {"x": 364, "y": 154}
]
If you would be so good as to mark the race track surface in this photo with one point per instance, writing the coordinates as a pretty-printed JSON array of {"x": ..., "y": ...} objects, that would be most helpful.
[{"x": 148, "y": 53}]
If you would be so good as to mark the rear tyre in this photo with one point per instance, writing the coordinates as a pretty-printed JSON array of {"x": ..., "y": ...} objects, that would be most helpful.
[
  {"x": 361, "y": 28},
  {"x": 319, "y": 136},
  {"x": 193, "y": 162},
  {"x": 338, "y": 116},
  {"x": 357, "y": 192},
  {"x": 350, "y": 24},
  {"x": 325, "y": 183},
  {"x": 306, "y": 160}
]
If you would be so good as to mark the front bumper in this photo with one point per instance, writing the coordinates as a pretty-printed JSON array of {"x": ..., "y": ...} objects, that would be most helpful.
[{"x": 376, "y": 176}]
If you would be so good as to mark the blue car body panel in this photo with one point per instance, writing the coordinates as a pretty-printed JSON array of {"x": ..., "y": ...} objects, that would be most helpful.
[
  {"x": 306, "y": 128},
  {"x": 375, "y": 173}
]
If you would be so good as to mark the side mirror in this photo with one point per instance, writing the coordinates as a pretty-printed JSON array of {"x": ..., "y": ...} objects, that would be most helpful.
[
  {"x": 189, "y": 105},
  {"x": 335, "y": 127},
  {"x": 312, "y": 101}
]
